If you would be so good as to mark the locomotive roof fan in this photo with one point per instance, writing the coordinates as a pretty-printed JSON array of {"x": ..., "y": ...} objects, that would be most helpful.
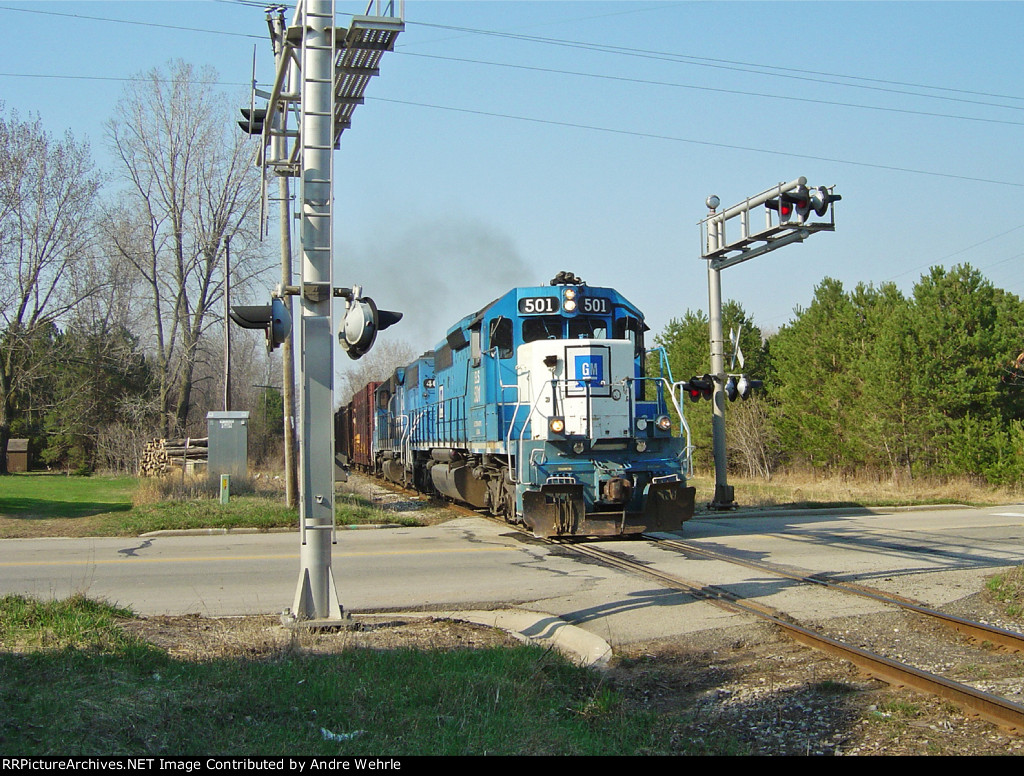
[{"x": 361, "y": 322}]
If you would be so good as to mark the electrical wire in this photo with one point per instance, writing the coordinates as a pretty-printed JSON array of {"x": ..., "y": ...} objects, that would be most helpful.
[
  {"x": 740, "y": 66},
  {"x": 129, "y": 21},
  {"x": 694, "y": 141},
  {"x": 742, "y": 93}
]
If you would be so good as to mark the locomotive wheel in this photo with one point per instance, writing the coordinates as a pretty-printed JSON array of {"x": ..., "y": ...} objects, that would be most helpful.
[{"x": 502, "y": 497}]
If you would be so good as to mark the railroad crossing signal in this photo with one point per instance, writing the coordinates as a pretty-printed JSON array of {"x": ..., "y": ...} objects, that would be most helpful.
[
  {"x": 253, "y": 120},
  {"x": 796, "y": 205},
  {"x": 783, "y": 205},
  {"x": 273, "y": 318},
  {"x": 700, "y": 387},
  {"x": 793, "y": 201},
  {"x": 741, "y": 386}
]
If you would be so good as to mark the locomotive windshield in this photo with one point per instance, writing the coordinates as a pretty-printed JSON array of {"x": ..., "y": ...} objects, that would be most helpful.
[
  {"x": 588, "y": 328},
  {"x": 555, "y": 327}
]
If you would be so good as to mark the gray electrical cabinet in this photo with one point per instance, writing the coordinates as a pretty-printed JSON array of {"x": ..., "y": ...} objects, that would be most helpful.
[{"x": 228, "y": 451}]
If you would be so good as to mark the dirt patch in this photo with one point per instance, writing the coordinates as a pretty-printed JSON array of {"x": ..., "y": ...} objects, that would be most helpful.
[
  {"x": 202, "y": 638},
  {"x": 391, "y": 500}
]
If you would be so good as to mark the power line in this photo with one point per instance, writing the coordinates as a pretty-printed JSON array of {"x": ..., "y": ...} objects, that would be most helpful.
[
  {"x": 633, "y": 52},
  {"x": 719, "y": 90},
  {"x": 611, "y": 49},
  {"x": 693, "y": 141},
  {"x": 726, "y": 64},
  {"x": 136, "y": 23},
  {"x": 122, "y": 79},
  {"x": 962, "y": 250}
]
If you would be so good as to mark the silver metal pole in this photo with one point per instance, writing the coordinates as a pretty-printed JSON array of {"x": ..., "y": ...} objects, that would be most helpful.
[
  {"x": 723, "y": 492},
  {"x": 316, "y": 596}
]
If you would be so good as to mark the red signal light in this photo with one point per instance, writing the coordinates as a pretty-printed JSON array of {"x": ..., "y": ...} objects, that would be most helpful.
[{"x": 783, "y": 205}]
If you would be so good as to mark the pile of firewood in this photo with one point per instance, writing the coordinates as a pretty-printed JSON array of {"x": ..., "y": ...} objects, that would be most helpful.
[{"x": 161, "y": 456}]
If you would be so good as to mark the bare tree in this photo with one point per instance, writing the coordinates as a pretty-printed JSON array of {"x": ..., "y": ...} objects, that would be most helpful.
[
  {"x": 378, "y": 364},
  {"x": 190, "y": 184},
  {"x": 752, "y": 438},
  {"x": 48, "y": 190}
]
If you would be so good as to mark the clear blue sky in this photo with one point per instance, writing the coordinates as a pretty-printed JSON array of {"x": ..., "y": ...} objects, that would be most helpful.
[{"x": 481, "y": 161}]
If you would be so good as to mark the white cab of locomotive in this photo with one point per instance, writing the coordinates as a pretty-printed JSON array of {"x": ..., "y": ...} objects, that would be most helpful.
[{"x": 585, "y": 382}]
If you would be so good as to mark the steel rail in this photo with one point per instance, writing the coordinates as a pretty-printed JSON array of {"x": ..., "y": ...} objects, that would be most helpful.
[
  {"x": 977, "y": 631},
  {"x": 999, "y": 711}
]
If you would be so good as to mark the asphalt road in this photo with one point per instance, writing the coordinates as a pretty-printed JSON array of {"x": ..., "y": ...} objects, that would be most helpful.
[{"x": 935, "y": 555}]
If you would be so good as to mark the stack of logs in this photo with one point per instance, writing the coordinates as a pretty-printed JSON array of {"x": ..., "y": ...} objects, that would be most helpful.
[{"x": 161, "y": 456}]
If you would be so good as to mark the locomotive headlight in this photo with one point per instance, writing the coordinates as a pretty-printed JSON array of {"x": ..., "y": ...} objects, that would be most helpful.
[
  {"x": 664, "y": 423},
  {"x": 570, "y": 293},
  {"x": 556, "y": 425},
  {"x": 569, "y": 305},
  {"x": 641, "y": 424}
]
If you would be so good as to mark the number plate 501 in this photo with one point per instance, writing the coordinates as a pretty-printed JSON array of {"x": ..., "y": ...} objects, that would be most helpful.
[{"x": 538, "y": 305}]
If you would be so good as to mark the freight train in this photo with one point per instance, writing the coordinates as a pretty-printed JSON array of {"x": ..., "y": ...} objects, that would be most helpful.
[{"x": 537, "y": 408}]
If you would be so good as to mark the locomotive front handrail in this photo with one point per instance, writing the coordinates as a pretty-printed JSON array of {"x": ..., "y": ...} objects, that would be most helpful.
[{"x": 688, "y": 449}]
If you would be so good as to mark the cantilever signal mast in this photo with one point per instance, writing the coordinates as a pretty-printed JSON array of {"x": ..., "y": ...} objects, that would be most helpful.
[
  {"x": 322, "y": 73},
  {"x": 793, "y": 202}
]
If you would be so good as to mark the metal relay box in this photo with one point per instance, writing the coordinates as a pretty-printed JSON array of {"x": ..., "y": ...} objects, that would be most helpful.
[{"x": 229, "y": 444}]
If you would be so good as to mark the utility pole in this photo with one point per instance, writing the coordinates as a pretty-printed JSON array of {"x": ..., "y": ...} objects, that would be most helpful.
[
  {"x": 793, "y": 202},
  {"x": 227, "y": 329},
  {"x": 275, "y": 19}
]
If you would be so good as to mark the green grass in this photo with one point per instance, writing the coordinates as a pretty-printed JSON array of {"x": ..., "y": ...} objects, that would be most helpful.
[
  {"x": 72, "y": 682},
  {"x": 58, "y": 505},
  {"x": 43, "y": 496},
  {"x": 1008, "y": 590}
]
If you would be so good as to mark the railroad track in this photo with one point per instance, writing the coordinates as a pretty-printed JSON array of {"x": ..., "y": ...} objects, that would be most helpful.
[
  {"x": 995, "y": 709},
  {"x": 1001, "y": 712},
  {"x": 979, "y": 633}
]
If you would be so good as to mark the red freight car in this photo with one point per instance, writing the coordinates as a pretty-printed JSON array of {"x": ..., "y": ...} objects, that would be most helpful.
[{"x": 361, "y": 410}]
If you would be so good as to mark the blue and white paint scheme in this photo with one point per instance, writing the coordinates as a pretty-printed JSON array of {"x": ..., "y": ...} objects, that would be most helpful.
[{"x": 538, "y": 408}]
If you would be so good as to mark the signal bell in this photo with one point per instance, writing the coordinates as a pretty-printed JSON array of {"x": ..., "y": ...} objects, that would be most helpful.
[
  {"x": 745, "y": 386},
  {"x": 821, "y": 198}
]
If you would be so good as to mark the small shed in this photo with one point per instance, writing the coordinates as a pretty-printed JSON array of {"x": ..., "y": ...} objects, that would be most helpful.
[{"x": 17, "y": 455}]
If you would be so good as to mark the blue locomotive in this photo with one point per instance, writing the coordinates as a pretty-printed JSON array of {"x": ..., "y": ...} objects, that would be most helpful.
[{"x": 538, "y": 409}]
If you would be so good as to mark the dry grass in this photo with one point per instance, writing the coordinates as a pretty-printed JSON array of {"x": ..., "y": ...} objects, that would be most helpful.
[
  {"x": 810, "y": 489},
  {"x": 187, "y": 487}
]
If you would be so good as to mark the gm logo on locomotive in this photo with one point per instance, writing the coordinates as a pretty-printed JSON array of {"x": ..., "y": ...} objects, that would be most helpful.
[{"x": 589, "y": 368}]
